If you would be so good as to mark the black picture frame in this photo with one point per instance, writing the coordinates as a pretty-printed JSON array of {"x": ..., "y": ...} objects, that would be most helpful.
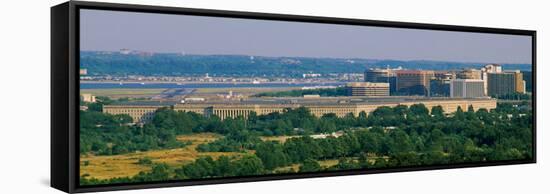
[{"x": 65, "y": 92}]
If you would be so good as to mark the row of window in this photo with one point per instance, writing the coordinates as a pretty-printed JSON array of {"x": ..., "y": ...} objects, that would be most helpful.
[{"x": 140, "y": 114}]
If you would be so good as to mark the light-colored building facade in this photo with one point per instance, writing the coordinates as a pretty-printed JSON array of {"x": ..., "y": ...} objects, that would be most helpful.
[
  {"x": 87, "y": 97},
  {"x": 492, "y": 68},
  {"x": 469, "y": 74},
  {"x": 467, "y": 88},
  {"x": 139, "y": 113},
  {"x": 339, "y": 106},
  {"x": 368, "y": 89}
]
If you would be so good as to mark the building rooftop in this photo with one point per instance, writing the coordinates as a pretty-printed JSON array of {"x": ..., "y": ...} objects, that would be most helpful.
[
  {"x": 467, "y": 80},
  {"x": 414, "y": 71},
  {"x": 146, "y": 103},
  {"x": 349, "y": 100},
  {"x": 367, "y": 84}
]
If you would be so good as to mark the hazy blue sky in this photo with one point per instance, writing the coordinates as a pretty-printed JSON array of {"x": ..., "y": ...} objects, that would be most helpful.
[{"x": 113, "y": 30}]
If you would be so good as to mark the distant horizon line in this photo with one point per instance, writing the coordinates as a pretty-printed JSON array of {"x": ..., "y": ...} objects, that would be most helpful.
[{"x": 183, "y": 53}]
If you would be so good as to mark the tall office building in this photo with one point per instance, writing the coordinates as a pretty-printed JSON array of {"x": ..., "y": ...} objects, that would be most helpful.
[
  {"x": 382, "y": 76},
  {"x": 444, "y": 75},
  {"x": 368, "y": 89},
  {"x": 440, "y": 87},
  {"x": 378, "y": 75},
  {"x": 467, "y": 88},
  {"x": 505, "y": 83},
  {"x": 414, "y": 82},
  {"x": 490, "y": 68}
]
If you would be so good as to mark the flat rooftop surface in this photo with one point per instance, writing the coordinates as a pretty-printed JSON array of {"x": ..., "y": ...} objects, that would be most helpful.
[{"x": 301, "y": 100}]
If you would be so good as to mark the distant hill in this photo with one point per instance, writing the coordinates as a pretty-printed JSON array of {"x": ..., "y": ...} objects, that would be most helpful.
[{"x": 114, "y": 63}]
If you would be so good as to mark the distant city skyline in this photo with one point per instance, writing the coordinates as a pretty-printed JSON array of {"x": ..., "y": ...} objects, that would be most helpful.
[{"x": 164, "y": 33}]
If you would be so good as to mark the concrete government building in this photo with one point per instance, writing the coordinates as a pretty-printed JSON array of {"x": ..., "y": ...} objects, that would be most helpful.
[{"x": 144, "y": 111}]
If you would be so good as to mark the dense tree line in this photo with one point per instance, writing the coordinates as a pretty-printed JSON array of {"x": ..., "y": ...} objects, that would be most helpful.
[
  {"x": 167, "y": 64},
  {"x": 414, "y": 136},
  {"x": 105, "y": 134},
  {"x": 206, "y": 167},
  {"x": 242, "y": 134},
  {"x": 237, "y": 65},
  {"x": 236, "y": 141}
]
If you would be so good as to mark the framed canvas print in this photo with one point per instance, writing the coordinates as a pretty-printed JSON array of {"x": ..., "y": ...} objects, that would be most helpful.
[{"x": 149, "y": 96}]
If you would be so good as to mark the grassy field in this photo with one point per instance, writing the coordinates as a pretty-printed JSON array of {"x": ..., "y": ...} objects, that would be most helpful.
[
  {"x": 124, "y": 165},
  {"x": 281, "y": 138},
  {"x": 328, "y": 163},
  {"x": 121, "y": 93},
  {"x": 105, "y": 167}
]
